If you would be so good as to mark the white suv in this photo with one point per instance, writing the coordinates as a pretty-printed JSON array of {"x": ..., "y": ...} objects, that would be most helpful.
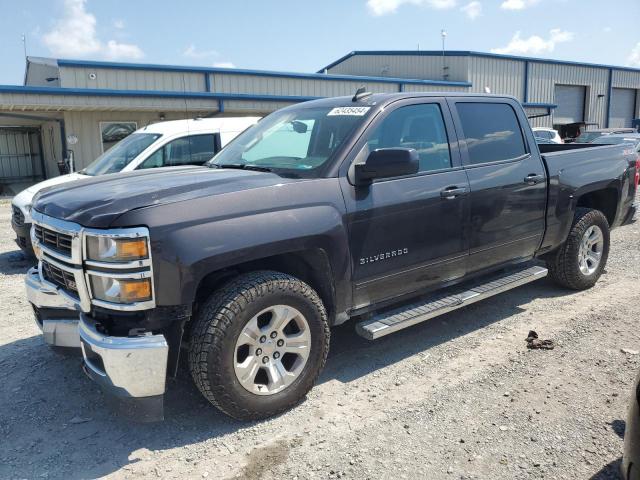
[{"x": 164, "y": 144}]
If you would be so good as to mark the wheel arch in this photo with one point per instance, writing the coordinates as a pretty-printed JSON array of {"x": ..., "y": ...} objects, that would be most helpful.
[
  {"x": 605, "y": 200},
  {"x": 312, "y": 266}
]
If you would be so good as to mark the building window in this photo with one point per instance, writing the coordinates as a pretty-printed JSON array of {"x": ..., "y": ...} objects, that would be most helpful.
[{"x": 112, "y": 132}]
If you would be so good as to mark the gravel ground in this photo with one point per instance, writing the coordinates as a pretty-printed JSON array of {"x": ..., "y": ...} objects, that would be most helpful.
[{"x": 457, "y": 397}]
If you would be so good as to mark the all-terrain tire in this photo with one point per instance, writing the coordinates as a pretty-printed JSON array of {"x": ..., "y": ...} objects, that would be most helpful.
[
  {"x": 564, "y": 265},
  {"x": 218, "y": 325}
]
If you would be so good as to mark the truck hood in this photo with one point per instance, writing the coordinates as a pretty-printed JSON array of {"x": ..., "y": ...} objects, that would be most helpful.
[
  {"x": 24, "y": 199},
  {"x": 98, "y": 201}
]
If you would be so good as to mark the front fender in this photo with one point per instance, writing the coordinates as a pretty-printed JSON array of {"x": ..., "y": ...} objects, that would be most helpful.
[{"x": 192, "y": 239}]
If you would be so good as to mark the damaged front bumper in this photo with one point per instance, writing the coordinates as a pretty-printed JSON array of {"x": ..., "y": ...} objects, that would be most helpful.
[
  {"x": 55, "y": 315},
  {"x": 131, "y": 370}
]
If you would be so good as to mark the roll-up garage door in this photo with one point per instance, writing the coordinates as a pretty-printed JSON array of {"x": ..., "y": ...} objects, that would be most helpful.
[
  {"x": 623, "y": 106},
  {"x": 570, "y": 104},
  {"x": 20, "y": 157}
]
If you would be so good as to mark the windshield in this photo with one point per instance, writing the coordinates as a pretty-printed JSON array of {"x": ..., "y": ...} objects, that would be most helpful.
[
  {"x": 121, "y": 154},
  {"x": 297, "y": 142},
  {"x": 587, "y": 137}
]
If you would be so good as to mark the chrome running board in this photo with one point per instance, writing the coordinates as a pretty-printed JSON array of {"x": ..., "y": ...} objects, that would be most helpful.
[{"x": 439, "y": 303}]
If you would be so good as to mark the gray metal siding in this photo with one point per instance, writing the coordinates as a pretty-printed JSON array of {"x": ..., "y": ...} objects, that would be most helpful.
[
  {"x": 626, "y": 79},
  {"x": 504, "y": 77},
  {"x": 405, "y": 66},
  {"x": 623, "y": 107},
  {"x": 254, "y": 84},
  {"x": 434, "y": 88},
  {"x": 122, "y": 79}
]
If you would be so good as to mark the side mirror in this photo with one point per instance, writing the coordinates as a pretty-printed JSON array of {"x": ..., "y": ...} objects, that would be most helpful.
[{"x": 385, "y": 163}]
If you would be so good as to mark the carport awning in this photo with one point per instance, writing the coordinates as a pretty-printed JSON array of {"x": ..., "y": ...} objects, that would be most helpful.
[
  {"x": 52, "y": 99},
  {"x": 535, "y": 110}
]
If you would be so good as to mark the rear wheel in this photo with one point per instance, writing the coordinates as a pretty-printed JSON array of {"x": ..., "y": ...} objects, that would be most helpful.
[
  {"x": 580, "y": 261},
  {"x": 259, "y": 344}
]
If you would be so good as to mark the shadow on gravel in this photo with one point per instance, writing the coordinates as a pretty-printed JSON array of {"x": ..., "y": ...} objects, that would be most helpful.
[
  {"x": 59, "y": 426},
  {"x": 351, "y": 356},
  {"x": 619, "y": 426},
  {"x": 610, "y": 471},
  {"x": 14, "y": 263}
]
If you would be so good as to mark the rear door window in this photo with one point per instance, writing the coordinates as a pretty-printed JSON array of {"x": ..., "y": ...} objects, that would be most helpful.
[{"x": 492, "y": 132}]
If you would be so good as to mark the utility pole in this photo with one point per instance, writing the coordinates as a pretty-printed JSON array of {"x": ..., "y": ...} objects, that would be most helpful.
[{"x": 443, "y": 34}]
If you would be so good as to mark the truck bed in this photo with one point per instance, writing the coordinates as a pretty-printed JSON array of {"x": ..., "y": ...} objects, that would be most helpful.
[{"x": 575, "y": 169}]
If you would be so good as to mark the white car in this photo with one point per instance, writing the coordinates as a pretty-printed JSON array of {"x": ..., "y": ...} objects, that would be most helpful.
[
  {"x": 164, "y": 144},
  {"x": 547, "y": 134}
]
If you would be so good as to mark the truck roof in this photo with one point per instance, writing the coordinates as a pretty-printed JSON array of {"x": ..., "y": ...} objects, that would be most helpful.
[
  {"x": 379, "y": 99},
  {"x": 200, "y": 124}
]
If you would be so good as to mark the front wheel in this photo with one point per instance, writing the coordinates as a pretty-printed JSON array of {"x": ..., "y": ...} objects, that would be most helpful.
[
  {"x": 580, "y": 261},
  {"x": 258, "y": 344}
]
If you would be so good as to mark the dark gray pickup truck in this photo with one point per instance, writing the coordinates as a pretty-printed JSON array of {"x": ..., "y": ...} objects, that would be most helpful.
[{"x": 388, "y": 209}]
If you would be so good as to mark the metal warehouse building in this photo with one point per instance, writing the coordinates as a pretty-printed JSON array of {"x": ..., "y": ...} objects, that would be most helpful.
[
  {"x": 88, "y": 99},
  {"x": 571, "y": 92}
]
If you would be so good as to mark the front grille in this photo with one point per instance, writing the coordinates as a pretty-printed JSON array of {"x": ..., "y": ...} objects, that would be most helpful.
[
  {"x": 60, "y": 242},
  {"x": 59, "y": 277},
  {"x": 18, "y": 216}
]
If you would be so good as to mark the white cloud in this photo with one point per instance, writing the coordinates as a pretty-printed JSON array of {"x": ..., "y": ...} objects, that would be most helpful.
[
  {"x": 633, "y": 60},
  {"x": 74, "y": 35},
  {"x": 518, "y": 4},
  {"x": 192, "y": 52},
  {"x": 224, "y": 65},
  {"x": 472, "y": 10},
  {"x": 607, "y": 29},
  {"x": 114, "y": 50},
  {"x": 535, "y": 44},
  {"x": 384, "y": 7},
  {"x": 119, "y": 24}
]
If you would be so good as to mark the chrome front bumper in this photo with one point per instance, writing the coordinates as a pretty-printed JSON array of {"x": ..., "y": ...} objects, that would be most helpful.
[
  {"x": 55, "y": 315},
  {"x": 124, "y": 366}
]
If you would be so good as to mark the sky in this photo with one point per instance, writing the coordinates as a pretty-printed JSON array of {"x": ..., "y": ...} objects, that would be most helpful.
[{"x": 304, "y": 36}]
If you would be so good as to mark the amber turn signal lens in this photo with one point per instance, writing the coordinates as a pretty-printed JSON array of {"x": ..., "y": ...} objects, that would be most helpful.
[
  {"x": 132, "y": 249},
  {"x": 135, "y": 290}
]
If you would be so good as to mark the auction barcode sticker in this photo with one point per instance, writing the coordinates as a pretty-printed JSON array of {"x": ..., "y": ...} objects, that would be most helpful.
[{"x": 357, "y": 111}]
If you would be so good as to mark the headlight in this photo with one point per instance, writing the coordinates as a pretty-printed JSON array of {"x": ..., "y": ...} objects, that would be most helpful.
[
  {"x": 109, "y": 249},
  {"x": 121, "y": 290}
]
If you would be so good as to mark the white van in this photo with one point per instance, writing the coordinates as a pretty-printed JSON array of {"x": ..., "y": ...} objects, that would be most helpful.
[{"x": 164, "y": 144}]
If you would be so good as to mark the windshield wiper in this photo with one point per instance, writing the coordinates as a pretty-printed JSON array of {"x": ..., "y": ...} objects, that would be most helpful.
[{"x": 243, "y": 166}]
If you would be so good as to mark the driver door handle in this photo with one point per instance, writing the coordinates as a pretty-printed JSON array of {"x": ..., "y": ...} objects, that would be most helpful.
[
  {"x": 533, "y": 178},
  {"x": 453, "y": 191}
]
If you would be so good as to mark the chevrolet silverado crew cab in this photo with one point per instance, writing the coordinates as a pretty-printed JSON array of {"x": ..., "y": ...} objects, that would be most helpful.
[
  {"x": 388, "y": 209},
  {"x": 176, "y": 142}
]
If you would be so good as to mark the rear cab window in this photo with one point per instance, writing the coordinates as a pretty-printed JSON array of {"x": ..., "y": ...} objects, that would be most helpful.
[{"x": 492, "y": 132}]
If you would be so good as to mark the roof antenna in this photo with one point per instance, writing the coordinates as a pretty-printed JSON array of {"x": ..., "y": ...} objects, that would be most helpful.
[{"x": 360, "y": 94}]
